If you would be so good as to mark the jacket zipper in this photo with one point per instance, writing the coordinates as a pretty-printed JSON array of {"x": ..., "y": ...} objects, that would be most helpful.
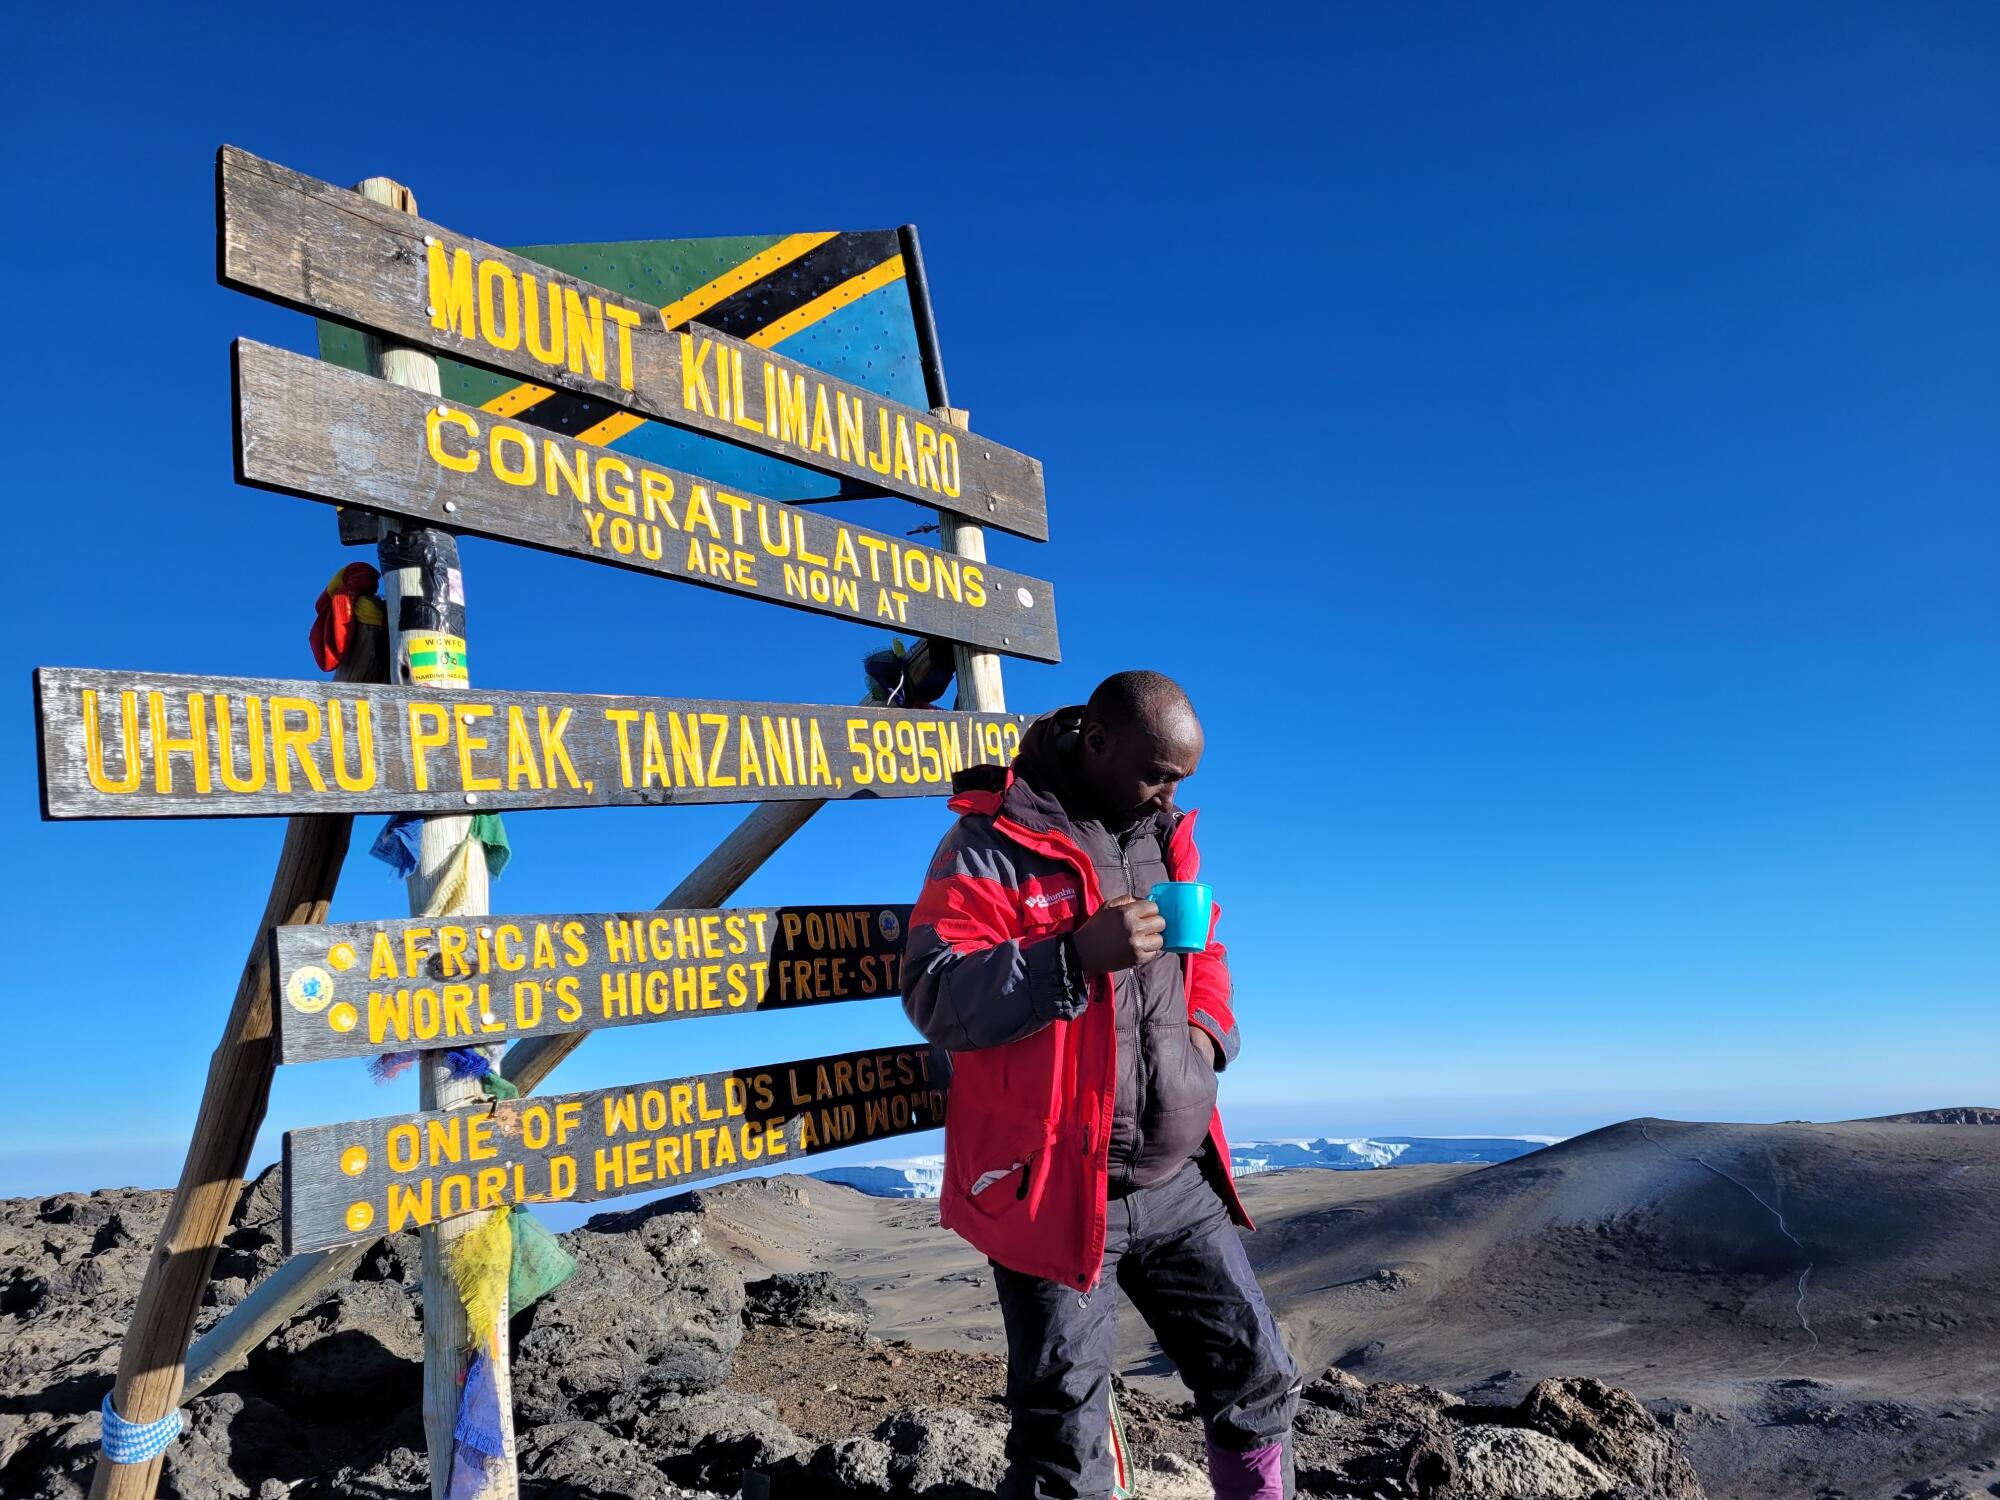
[{"x": 1138, "y": 1022}]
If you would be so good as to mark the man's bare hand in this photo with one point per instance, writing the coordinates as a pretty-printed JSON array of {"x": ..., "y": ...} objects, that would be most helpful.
[{"x": 1121, "y": 934}]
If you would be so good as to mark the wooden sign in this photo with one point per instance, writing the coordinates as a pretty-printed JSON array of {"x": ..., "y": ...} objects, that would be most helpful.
[
  {"x": 310, "y": 428},
  {"x": 362, "y": 988},
  {"x": 153, "y": 745},
  {"x": 322, "y": 249},
  {"x": 372, "y": 1177}
]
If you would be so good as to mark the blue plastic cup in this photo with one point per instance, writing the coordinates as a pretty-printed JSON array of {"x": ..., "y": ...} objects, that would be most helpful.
[{"x": 1188, "y": 906}]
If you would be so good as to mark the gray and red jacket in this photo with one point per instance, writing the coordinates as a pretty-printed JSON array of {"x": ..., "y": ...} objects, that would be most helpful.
[{"x": 1035, "y": 1056}]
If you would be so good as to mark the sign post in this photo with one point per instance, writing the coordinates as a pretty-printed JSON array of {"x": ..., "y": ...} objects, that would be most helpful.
[
  {"x": 426, "y": 747},
  {"x": 424, "y": 591}
]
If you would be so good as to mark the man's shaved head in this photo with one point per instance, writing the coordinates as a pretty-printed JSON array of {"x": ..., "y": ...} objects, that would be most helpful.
[
  {"x": 1149, "y": 699},
  {"x": 1141, "y": 739}
]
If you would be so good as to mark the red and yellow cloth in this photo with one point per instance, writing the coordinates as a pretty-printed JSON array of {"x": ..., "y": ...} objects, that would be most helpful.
[{"x": 347, "y": 601}]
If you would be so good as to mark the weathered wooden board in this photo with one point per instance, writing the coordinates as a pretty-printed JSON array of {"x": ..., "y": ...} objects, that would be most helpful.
[
  {"x": 156, "y": 745},
  {"x": 357, "y": 989},
  {"x": 313, "y": 246},
  {"x": 370, "y": 1177},
  {"x": 309, "y": 428}
]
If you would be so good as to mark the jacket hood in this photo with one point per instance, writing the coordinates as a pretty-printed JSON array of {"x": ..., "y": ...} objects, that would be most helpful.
[
  {"x": 1035, "y": 759},
  {"x": 1040, "y": 788}
]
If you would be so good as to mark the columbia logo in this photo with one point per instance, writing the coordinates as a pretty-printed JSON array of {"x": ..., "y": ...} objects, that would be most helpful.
[{"x": 1067, "y": 893}]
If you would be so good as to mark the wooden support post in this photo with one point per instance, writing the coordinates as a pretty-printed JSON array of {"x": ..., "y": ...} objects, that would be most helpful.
[
  {"x": 295, "y": 1285},
  {"x": 150, "y": 1364},
  {"x": 425, "y": 595},
  {"x": 979, "y": 685},
  {"x": 978, "y": 672}
]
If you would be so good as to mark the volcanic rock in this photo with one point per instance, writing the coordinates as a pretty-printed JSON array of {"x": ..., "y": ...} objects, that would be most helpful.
[
  {"x": 651, "y": 1312},
  {"x": 943, "y": 1452},
  {"x": 581, "y": 1458},
  {"x": 805, "y": 1299},
  {"x": 1609, "y": 1427},
  {"x": 711, "y": 1439}
]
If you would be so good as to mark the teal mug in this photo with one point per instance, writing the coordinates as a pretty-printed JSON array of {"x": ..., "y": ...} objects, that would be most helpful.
[{"x": 1188, "y": 906}]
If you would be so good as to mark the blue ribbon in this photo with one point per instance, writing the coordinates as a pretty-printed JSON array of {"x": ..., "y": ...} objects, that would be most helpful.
[{"x": 137, "y": 1442}]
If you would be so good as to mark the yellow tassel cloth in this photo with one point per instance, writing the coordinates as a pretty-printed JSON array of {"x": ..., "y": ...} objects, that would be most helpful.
[
  {"x": 449, "y": 894},
  {"x": 480, "y": 1263}
]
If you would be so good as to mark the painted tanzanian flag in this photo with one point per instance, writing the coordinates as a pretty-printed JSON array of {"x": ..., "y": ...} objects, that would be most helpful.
[{"x": 836, "y": 299}]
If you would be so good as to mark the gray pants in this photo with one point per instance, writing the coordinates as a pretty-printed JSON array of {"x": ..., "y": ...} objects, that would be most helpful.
[{"x": 1177, "y": 1256}]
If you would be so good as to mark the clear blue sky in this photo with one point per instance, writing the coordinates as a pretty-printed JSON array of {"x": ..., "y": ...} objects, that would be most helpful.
[{"x": 1555, "y": 444}]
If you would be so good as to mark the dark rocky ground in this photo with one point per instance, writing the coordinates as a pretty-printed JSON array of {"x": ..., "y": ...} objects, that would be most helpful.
[{"x": 654, "y": 1372}]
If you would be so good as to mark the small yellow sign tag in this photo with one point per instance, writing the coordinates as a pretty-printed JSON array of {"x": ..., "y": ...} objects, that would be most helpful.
[{"x": 432, "y": 658}]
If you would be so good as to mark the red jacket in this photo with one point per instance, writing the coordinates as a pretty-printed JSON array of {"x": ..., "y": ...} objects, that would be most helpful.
[{"x": 1027, "y": 1125}]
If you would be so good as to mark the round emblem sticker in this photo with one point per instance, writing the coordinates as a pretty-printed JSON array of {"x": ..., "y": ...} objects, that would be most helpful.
[
  {"x": 309, "y": 990},
  {"x": 890, "y": 926}
]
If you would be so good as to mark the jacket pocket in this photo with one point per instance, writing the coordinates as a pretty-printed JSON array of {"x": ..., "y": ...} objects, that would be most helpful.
[
  {"x": 1020, "y": 1172},
  {"x": 995, "y": 1169},
  {"x": 1181, "y": 1099}
]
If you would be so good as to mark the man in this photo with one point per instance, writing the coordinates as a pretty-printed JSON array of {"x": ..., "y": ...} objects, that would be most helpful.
[{"x": 1081, "y": 1138}]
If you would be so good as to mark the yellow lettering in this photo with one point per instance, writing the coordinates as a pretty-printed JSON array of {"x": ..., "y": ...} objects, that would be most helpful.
[
  {"x": 627, "y": 320},
  {"x": 462, "y": 715},
  {"x": 686, "y": 732},
  {"x": 525, "y": 474},
  {"x": 853, "y": 429},
  {"x": 574, "y": 469},
  {"x": 288, "y": 744},
  {"x": 165, "y": 746},
  {"x": 694, "y": 376},
  {"x": 521, "y": 768},
  {"x": 948, "y": 464},
  {"x": 586, "y": 335},
  {"x": 822, "y": 434},
  {"x": 451, "y": 291},
  {"x": 225, "y": 737},
  {"x": 363, "y": 776},
  {"x": 622, "y": 720},
  {"x": 545, "y": 341},
  {"x": 423, "y": 740},
  {"x": 435, "y": 419},
  {"x": 502, "y": 331},
  {"x": 554, "y": 752},
  {"x": 409, "y": 1206},
  {"x": 716, "y": 775},
  {"x": 619, "y": 496},
  {"x": 656, "y": 491},
  {"x": 93, "y": 744}
]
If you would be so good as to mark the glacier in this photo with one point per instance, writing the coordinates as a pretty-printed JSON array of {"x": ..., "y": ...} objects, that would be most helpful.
[
  {"x": 1360, "y": 1153},
  {"x": 904, "y": 1177},
  {"x": 923, "y": 1176}
]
